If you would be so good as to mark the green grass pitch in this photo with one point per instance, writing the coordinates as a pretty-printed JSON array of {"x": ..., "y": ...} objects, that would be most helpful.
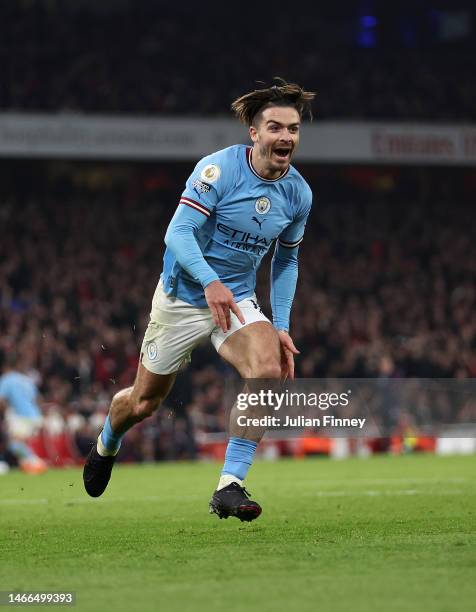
[{"x": 385, "y": 533}]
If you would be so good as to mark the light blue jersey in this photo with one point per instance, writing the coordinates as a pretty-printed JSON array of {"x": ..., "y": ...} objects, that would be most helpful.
[
  {"x": 20, "y": 393},
  {"x": 227, "y": 219}
]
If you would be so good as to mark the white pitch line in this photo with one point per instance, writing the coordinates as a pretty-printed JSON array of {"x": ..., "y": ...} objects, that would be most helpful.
[
  {"x": 157, "y": 498},
  {"x": 114, "y": 500},
  {"x": 23, "y": 502},
  {"x": 384, "y": 493},
  {"x": 88, "y": 500},
  {"x": 383, "y": 481}
]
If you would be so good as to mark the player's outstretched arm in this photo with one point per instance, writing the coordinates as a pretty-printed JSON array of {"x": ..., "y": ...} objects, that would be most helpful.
[
  {"x": 284, "y": 273},
  {"x": 180, "y": 239}
]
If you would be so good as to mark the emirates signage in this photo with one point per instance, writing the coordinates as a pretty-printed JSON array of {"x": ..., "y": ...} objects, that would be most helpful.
[{"x": 174, "y": 138}]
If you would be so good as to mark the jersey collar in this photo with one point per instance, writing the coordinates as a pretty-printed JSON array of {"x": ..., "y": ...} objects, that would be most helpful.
[{"x": 250, "y": 165}]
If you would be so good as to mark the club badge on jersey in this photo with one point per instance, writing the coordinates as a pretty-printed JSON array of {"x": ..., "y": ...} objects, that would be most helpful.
[{"x": 263, "y": 205}]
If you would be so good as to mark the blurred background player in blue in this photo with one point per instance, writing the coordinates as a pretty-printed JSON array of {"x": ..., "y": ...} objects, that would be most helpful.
[
  {"x": 236, "y": 204},
  {"x": 19, "y": 401}
]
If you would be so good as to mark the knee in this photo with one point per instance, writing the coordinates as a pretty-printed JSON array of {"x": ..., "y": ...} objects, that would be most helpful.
[
  {"x": 265, "y": 368},
  {"x": 145, "y": 408}
]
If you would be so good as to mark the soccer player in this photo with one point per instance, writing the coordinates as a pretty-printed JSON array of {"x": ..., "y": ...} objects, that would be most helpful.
[
  {"x": 19, "y": 400},
  {"x": 236, "y": 203}
]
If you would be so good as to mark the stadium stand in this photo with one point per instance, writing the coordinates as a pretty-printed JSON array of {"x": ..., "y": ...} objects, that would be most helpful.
[
  {"x": 386, "y": 289},
  {"x": 388, "y": 265},
  {"x": 423, "y": 69}
]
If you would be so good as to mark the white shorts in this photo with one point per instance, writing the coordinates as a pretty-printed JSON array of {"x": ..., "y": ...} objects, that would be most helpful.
[
  {"x": 176, "y": 328},
  {"x": 20, "y": 426}
]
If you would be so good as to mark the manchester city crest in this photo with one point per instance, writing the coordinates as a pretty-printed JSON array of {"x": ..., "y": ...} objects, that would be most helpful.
[
  {"x": 152, "y": 350},
  {"x": 262, "y": 205}
]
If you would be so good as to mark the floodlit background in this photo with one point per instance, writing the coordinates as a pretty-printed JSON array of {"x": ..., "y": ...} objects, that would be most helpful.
[
  {"x": 104, "y": 110},
  {"x": 105, "y": 107}
]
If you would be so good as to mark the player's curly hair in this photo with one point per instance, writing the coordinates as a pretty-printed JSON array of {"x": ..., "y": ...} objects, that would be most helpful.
[{"x": 247, "y": 107}]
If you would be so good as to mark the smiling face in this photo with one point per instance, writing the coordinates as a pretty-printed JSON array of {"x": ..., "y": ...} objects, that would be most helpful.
[{"x": 275, "y": 134}]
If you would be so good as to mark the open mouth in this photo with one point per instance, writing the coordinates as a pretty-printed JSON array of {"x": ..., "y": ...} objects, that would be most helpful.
[{"x": 282, "y": 153}]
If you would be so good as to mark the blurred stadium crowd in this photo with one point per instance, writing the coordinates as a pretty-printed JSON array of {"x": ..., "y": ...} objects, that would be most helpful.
[
  {"x": 388, "y": 265},
  {"x": 386, "y": 289},
  {"x": 155, "y": 57}
]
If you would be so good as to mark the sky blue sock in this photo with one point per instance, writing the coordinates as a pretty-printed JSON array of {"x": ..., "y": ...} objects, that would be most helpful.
[
  {"x": 239, "y": 457},
  {"x": 21, "y": 450},
  {"x": 110, "y": 440}
]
